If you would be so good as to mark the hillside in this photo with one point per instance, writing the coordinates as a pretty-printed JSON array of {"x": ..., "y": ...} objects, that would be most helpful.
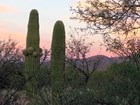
[{"x": 102, "y": 61}]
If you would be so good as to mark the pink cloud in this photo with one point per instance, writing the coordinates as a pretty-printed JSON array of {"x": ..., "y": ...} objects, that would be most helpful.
[{"x": 7, "y": 9}]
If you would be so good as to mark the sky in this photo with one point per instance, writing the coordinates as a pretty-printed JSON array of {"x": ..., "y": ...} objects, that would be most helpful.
[{"x": 14, "y": 15}]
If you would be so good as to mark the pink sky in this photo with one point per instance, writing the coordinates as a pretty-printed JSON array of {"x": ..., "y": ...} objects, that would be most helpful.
[{"x": 14, "y": 19}]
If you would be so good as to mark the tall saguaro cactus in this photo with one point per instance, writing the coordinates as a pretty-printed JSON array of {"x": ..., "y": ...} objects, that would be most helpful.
[
  {"x": 32, "y": 51},
  {"x": 57, "y": 62}
]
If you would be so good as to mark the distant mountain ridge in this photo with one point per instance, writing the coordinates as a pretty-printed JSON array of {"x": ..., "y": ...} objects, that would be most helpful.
[{"x": 104, "y": 61}]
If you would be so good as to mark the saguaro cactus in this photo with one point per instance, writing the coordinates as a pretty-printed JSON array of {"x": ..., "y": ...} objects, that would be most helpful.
[
  {"x": 57, "y": 62},
  {"x": 32, "y": 51}
]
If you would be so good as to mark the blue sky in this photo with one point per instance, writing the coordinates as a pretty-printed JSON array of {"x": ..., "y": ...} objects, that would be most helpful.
[{"x": 14, "y": 15}]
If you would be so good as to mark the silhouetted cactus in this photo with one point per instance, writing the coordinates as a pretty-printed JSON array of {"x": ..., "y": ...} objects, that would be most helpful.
[
  {"x": 57, "y": 62},
  {"x": 32, "y": 51}
]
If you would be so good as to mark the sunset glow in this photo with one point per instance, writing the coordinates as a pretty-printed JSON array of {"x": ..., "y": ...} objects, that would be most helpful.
[
  {"x": 7, "y": 9},
  {"x": 14, "y": 16}
]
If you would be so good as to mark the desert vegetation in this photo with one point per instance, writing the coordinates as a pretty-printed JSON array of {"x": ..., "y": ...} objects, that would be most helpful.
[{"x": 64, "y": 75}]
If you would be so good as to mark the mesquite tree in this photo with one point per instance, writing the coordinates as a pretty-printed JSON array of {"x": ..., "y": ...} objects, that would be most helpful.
[{"x": 117, "y": 20}]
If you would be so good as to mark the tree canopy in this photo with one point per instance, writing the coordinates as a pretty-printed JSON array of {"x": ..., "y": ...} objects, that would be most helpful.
[{"x": 117, "y": 20}]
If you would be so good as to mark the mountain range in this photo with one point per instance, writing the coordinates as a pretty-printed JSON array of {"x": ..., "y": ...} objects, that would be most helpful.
[
  {"x": 97, "y": 62},
  {"x": 104, "y": 61}
]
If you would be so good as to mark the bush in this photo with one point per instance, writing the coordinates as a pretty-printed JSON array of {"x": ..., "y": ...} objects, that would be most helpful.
[
  {"x": 11, "y": 65},
  {"x": 118, "y": 85}
]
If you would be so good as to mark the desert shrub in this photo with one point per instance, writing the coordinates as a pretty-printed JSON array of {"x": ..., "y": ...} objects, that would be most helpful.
[
  {"x": 11, "y": 65},
  {"x": 84, "y": 96},
  {"x": 73, "y": 78},
  {"x": 118, "y": 85}
]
